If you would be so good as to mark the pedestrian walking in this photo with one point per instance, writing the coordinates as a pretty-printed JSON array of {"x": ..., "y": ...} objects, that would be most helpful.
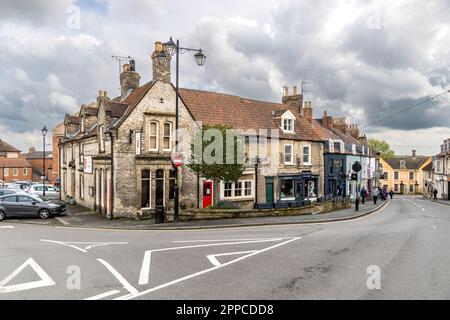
[
  {"x": 391, "y": 194},
  {"x": 435, "y": 192},
  {"x": 375, "y": 195},
  {"x": 339, "y": 192},
  {"x": 363, "y": 194}
]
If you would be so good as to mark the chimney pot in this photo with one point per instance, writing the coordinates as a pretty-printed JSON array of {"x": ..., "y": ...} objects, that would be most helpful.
[
  {"x": 285, "y": 91},
  {"x": 105, "y": 94},
  {"x": 294, "y": 91},
  {"x": 100, "y": 93},
  {"x": 414, "y": 152}
]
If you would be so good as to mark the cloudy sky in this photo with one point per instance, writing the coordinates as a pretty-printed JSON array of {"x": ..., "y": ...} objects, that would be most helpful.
[{"x": 364, "y": 60}]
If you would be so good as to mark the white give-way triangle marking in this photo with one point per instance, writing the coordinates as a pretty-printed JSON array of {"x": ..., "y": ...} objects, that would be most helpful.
[
  {"x": 44, "y": 282},
  {"x": 215, "y": 262},
  {"x": 83, "y": 246}
]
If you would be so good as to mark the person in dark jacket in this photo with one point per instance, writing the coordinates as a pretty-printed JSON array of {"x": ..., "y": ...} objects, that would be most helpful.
[
  {"x": 435, "y": 192},
  {"x": 363, "y": 195},
  {"x": 391, "y": 194}
]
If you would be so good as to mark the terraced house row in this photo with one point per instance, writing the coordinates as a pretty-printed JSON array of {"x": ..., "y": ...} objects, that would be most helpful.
[{"x": 115, "y": 154}]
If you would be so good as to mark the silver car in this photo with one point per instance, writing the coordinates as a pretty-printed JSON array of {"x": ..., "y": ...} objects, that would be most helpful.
[
  {"x": 8, "y": 191},
  {"x": 50, "y": 191}
]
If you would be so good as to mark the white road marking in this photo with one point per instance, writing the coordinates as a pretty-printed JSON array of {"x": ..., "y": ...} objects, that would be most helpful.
[
  {"x": 417, "y": 205},
  {"x": 89, "y": 245},
  {"x": 61, "y": 220},
  {"x": 221, "y": 240},
  {"x": 127, "y": 297},
  {"x": 103, "y": 295},
  {"x": 6, "y": 227},
  {"x": 145, "y": 269},
  {"x": 45, "y": 281},
  {"x": 434, "y": 227},
  {"x": 119, "y": 277},
  {"x": 215, "y": 262}
]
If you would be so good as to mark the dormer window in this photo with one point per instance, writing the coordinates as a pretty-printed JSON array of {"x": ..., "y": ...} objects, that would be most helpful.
[
  {"x": 331, "y": 146},
  {"x": 288, "y": 125},
  {"x": 287, "y": 122}
]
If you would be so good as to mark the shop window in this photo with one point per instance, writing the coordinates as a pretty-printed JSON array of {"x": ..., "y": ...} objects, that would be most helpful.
[
  {"x": 287, "y": 189},
  {"x": 145, "y": 188}
]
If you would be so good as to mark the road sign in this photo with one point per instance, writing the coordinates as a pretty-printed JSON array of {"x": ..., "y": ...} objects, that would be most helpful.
[
  {"x": 177, "y": 161},
  {"x": 357, "y": 167}
]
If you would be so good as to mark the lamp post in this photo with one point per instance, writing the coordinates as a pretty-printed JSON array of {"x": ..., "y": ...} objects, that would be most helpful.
[
  {"x": 44, "y": 133},
  {"x": 174, "y": 49}
]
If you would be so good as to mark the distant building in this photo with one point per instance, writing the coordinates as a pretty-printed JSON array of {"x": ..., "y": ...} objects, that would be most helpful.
[
  {"x": 344, "y": 145},
  {"x": 441, "y": 164},
  {"x": 13, "y": 167},
  {"x": 36, "y": 160},
  {"x": 404, "y": 174}
]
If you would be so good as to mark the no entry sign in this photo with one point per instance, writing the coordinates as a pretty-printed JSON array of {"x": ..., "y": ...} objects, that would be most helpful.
[{"x": 177, "y": 161}]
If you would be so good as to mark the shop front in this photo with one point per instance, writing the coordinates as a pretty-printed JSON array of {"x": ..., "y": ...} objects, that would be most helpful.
[{"x": 298, "y": 187}]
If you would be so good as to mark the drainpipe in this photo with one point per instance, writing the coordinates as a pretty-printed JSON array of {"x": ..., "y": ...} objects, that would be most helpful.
[{"x": 111, "y": 188}]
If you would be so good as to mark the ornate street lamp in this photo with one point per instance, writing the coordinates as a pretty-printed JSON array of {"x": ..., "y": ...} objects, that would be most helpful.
[
  {"x": 173, "y": 48},
  {"x": 44, "y": 133}
]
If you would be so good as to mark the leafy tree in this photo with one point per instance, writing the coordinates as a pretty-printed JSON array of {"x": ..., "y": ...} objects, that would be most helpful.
[
  {"x": 217, "y": 155},
  {"x": 382, "y": 147}
]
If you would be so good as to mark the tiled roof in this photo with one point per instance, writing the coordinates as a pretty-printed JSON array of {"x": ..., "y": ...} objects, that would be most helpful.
[
  {"x": 411, "y": 163},
  {"x": 6, "y": 147},
  {"x": 38, "y": 154},
  {"x": 323, "y": 132},
  {"x": 117, "y": 109},
  {"x": 428, "y": 167},
  {"x": 217, "y": 108},
  {"x": 72, "y": 119},
  {"x": 14, "y": 163},
  {"x": 132, "y": 100}
]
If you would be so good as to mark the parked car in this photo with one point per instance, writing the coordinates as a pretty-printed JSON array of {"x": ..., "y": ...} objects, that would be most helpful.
[
  {"x": 8, "y": 191},
  {"x": 26, "y": 205},
  {"x": 50, "y": 191}
]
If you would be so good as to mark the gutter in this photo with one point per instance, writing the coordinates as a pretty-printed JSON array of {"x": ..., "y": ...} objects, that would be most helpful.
[{"x": 110, "y": 217}]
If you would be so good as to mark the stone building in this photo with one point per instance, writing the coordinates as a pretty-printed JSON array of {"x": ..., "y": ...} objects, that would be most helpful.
[
  {"x": 441, "y": 174},
  {"x": 404, "y": 174},
  {"x": 115, "y": 153}
]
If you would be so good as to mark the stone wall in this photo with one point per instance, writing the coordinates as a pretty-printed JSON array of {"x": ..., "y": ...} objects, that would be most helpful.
[{"x": 207, "y": 214}]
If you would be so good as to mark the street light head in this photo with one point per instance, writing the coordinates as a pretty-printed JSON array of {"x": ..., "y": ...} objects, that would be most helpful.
[
  {"x": 200, "y": 58},
  {"x": 161, "y": 57},
  {"x": 44, "y": 131},
  {"x": 171, "y": 47}
]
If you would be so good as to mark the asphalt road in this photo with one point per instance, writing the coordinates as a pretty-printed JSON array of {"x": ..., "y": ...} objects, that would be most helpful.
[{"x": 400, "y": 252}]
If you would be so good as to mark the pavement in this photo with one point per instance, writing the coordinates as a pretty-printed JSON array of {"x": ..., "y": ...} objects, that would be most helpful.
[
  {"x": 397, "y": 252},
  {"x": 79, "y": 217}
]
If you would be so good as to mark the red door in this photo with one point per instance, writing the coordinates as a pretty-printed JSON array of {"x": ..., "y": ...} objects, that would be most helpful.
[{"x": 207, "y": 193}]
